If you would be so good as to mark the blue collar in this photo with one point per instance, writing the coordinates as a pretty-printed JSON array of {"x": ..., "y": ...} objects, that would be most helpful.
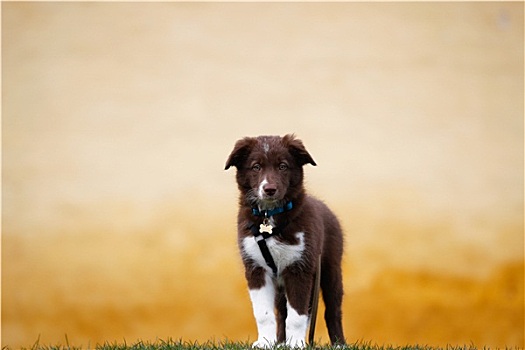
[{"x": 268, "y": 213}]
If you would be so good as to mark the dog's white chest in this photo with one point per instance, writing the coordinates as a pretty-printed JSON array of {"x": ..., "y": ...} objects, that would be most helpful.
[{"x": 283, "y": 254}]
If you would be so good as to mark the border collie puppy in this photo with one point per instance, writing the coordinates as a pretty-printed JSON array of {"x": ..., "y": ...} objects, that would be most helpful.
[{"x": 282, "y": 234}]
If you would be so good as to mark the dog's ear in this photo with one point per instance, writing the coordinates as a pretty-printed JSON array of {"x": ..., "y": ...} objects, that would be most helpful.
[
  {"x": 240, "y": 152},
  {"x": 297, "y": 150}
]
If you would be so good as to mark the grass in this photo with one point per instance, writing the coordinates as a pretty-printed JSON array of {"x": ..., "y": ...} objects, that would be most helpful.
[{"x": 226, "y": 345}]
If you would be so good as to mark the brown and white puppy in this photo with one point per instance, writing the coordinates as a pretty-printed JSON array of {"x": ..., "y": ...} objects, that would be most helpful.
[{"x": 270, "y": 181}]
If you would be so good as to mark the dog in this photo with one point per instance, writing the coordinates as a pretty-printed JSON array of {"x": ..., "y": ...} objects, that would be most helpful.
[{"x": 282, "y": 234}]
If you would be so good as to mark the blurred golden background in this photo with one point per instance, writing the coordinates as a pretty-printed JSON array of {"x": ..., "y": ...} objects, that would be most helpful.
[{"x": 118, "y": 222}]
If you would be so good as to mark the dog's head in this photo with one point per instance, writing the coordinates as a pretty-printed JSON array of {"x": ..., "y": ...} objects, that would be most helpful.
[{"x": 269, "y": 168}]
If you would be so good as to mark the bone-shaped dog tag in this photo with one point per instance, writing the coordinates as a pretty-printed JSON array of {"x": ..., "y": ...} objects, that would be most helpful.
[{"x": 265, "y": 228}]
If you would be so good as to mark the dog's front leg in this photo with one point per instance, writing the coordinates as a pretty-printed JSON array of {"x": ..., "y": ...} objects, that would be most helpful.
[
  {"x": 298, "y": 288},
  {"x": 263, "y": 302}
]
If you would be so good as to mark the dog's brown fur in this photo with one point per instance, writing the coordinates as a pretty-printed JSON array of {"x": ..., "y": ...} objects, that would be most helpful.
[{"x": 263, "y": 158}]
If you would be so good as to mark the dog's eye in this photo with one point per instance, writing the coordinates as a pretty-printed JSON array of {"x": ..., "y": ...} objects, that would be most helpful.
[
  {"x": 283, "y": 166},
  {"x": 256, "y": 167}
]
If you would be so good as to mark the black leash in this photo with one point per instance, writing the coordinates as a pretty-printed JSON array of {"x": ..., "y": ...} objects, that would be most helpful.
[
  {"x": 266, "y": 230},
  {"x": 315, "y": 303},
  {"x": 261, "y": 237}
]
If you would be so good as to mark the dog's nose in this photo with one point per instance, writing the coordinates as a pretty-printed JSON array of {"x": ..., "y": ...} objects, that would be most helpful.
[{"x": 269, "y": 189}]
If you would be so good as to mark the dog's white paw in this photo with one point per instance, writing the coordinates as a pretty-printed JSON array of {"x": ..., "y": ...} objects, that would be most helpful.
[
  {"x": 263, "y": 344},
  {"x": 296, "y": 343}
]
